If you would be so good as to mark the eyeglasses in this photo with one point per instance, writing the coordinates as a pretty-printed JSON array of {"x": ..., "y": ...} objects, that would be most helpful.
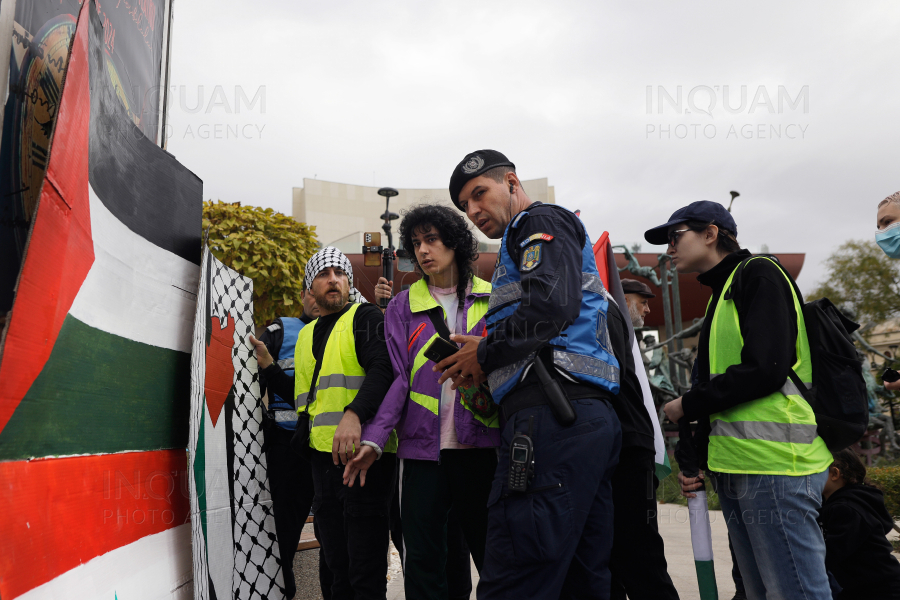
[{"x": 674, "y": 235}]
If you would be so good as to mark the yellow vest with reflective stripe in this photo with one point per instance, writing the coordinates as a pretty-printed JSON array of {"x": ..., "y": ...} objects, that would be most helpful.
[
  {"x": 773, "y": 435},
  {"x": 421, "y": 300},
  {"x": 340, "y": 378}
]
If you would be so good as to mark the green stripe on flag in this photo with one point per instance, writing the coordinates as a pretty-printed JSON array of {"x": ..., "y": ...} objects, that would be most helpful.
[
  {"x": 200, "y": 474},
  {"x": 706, "y": 580},
  {"x": 101, "y": 393},
  {"x": 664, "y": 470}
]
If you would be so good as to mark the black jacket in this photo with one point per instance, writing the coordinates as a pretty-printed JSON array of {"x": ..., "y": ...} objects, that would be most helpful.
[
  {"x": 768, "y": 324},
  {"x": 637, "y": 428},
  {"x": 858, "y": 554}
]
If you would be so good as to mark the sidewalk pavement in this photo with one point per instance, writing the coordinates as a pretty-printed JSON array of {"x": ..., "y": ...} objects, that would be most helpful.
[
  {"x": 673, "y": 526},
  {"x": 676, "y": 532}
]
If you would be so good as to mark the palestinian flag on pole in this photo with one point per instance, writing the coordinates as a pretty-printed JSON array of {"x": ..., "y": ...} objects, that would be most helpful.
[
  {"x": 95, "y": 364},
  {"x": 609, "y": 274},
  {"x": 235, "y": 548}
]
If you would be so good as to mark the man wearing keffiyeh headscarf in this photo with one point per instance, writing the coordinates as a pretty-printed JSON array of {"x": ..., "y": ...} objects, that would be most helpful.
[
  {"x": 332, "y": 257},
  {"x": 342, "y": 373}
]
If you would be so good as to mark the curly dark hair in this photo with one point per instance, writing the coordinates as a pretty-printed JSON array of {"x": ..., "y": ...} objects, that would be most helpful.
[
  {"x": 454, "y": 233},
  {"x": 852, "y": 469}
]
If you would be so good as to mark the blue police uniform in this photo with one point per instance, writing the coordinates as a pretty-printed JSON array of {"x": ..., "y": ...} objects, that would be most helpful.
[
  {"x": 282, "y": 411},
  {"x": 548, "y": 303}
]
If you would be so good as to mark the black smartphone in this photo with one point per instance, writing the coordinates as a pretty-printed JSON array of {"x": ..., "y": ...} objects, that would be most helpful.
[
  {"x": 890, "y": 375},
  {"x": 440, "y": 349}
]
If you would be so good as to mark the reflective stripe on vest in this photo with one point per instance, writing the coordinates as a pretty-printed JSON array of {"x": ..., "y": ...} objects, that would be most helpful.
[
  {"x": 340, "y": 379},
  {"x": 773, "y": 435},
  {"x": 584, "y": 349},
  {"x": 420, "y": 300}
]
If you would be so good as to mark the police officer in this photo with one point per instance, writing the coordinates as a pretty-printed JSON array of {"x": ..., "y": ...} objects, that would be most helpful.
[{"x": 549, "y": 305}]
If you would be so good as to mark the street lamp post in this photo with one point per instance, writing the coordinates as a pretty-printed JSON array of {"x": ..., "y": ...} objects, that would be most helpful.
[{"x": 733, "y": 196}]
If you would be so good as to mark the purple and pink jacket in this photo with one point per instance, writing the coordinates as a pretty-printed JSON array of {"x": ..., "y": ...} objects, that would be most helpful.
[{"x": 412, "y": 404}]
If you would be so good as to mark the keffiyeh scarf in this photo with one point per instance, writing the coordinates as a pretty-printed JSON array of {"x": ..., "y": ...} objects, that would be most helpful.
[{"x": 332, "y": 257}]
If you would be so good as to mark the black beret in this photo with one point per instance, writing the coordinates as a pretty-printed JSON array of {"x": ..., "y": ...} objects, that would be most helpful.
[
  {"x": 475, "y": 164},
  {"x": 633, "y": 286}
]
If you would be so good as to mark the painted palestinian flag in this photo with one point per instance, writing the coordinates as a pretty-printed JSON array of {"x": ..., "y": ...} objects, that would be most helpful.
[
  {"x": 95, "y": 366},
  {"x": 235, "y": 549},
  {"x": 609, "y": 274}
]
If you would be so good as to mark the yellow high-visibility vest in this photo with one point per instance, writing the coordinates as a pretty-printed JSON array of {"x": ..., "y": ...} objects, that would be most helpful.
[
  {"x": 340, "y": 379},
  {"x": 773, "y": 435}
]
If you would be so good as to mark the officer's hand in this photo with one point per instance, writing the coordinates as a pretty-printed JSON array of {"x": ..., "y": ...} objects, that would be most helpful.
[
  {"x": 346, "y": 438},
  {"x": 361, "y": 464},
  {"x": 262, "y": 353},
  {"x": 673, "y": 410},
  {"x": 463, "y": 366},
  {"x": 384, "y": 288},
  {"x": 892, "y": 385},
  {"x": 689, "y": 484}
]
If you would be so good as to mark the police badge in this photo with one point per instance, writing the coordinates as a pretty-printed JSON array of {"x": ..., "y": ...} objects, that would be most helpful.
[
  {"x": 472, "y": 165},
  {"x": 531, "y": 257}
]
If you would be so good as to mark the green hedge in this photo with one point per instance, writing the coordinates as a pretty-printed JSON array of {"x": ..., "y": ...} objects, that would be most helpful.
[{"x": 888, "y": 479}]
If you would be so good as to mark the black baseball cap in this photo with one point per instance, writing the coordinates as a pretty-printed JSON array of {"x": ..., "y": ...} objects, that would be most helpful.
[
  {"x": 704, "y": 211},
  {"x": 633, "y": 286},
  {"x": 475, "y": 164}
]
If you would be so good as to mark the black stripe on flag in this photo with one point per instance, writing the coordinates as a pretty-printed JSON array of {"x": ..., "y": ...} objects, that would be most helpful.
[{"x": 142, "y": 185}]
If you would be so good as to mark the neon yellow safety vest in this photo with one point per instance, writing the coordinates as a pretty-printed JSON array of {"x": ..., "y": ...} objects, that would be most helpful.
[
  {"x": 340, "y": 378},
  {"x": 421, "y": 300},
  {"x": 774, "y": 435}
]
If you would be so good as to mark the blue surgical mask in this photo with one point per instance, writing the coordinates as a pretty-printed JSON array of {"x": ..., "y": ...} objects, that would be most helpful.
[{"x": 889, "y": 239}]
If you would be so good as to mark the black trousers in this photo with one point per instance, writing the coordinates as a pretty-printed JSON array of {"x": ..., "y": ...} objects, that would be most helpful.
[
  {"x": 353, "y": 526},
  {"x": 638, "y": 562},
  {"x": 459, "y": 570},
  {"x": 291, "y": 485},
  {"x": 429, "y": 492}
]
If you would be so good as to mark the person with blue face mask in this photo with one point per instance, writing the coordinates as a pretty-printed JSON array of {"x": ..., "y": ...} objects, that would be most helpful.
[
  {"x": 887, "y": 236},
  {"x": 888, "y": 233}
]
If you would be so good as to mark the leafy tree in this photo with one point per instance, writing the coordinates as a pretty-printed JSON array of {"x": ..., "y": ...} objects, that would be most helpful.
[
  {"x": 861, "y": 276},
  {"x": 268, "y": 247}
]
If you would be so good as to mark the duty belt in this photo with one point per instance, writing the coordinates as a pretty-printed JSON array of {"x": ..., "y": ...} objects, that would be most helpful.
[{"x": 529, "y": 396}]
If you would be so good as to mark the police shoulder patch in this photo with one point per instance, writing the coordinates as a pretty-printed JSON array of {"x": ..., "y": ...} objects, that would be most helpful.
[
  {"x": 531, "y": 257},
  {"x": 537, "y": 236}
]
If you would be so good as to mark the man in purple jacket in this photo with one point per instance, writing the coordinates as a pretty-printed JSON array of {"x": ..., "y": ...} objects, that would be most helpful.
[{"x": 447, "y": 438}]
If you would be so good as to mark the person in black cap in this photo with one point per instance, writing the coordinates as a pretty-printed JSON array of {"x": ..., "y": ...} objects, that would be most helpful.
[
  {"x": 756, "y": 434},
  {"x": 637, "y": 295},
  {"x": 547, "y": 330}
]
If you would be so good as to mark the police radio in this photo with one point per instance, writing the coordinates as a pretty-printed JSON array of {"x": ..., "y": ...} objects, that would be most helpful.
[{"x": 521, "y": 460}]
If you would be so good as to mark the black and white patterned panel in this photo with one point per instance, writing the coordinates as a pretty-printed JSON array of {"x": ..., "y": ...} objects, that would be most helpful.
[{"x": 257, "y": 562}]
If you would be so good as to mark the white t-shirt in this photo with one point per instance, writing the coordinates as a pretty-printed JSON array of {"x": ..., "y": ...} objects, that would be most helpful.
[{"x": 448, "y": 299}]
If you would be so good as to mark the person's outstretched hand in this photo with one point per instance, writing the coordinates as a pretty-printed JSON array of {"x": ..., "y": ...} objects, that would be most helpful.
[
  {"x": 359, "y": 466},
  {"x": 262, "y": 353}
]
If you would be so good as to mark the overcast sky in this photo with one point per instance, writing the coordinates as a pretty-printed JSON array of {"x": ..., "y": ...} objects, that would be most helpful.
[{"x": 396, "y": 93}]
